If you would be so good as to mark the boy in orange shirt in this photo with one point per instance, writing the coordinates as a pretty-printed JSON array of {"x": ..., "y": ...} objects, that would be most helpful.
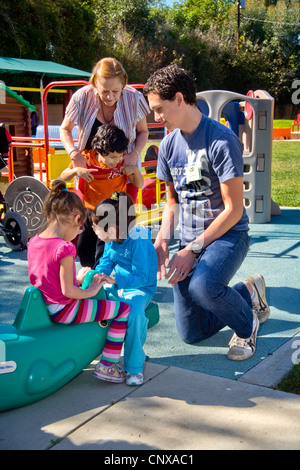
[{"x": 104, "y": 175}]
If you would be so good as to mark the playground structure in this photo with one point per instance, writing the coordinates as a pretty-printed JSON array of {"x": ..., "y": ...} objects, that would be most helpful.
[
  {"x": 38, "y": 357},
  {"x": 296, "y": 125},
  {"x": 50, "y": 162},
  {"x": 15, "y": 114},
  {"x": 287, "y": 133},
  {"x": 12, "y": 227}
]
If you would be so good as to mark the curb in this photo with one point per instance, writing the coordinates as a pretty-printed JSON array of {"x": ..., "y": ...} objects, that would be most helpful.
[{"x": 271, "y": 370}]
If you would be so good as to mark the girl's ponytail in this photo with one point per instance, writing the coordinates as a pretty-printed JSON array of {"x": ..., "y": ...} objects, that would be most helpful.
[{"x": 61, "y": 203}]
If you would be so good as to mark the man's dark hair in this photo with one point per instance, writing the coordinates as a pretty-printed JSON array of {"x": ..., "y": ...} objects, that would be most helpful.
[
  {"x": 166, "y": 82},
  {"x": 108, "y": 139}
]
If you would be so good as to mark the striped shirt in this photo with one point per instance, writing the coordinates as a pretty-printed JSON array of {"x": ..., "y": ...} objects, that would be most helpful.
[{"x": 84, "y": 106}]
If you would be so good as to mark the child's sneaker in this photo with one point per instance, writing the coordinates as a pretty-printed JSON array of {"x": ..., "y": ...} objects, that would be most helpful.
[
  {"x": 134, "y": 379},
  {"x": 112, "y": 373},
  {"x": 259, "y": 302},
  {"x": 241, "y": 349}
]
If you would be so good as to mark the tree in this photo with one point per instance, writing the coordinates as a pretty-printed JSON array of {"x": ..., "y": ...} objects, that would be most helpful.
[
  {"x": 272, "y": 33},
  {"x": 128, "y": 31},
  {"x": 268, "y": 56},
  {"x": 145, "y": 35},
  {"x": 193, "y": 14},
  {"x": 55, "y": 30}
]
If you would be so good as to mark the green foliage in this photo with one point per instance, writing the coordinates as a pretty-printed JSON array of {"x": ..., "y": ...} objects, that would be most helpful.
[
  {"x": 145, "y": 35},
  {"x": 291, "y": 382},
  {"x": 56, "y": 30},
  {"x": 273, "y": 34},
  {"x": 281, "y": 123},
  {"x": 193, "y": 14}
]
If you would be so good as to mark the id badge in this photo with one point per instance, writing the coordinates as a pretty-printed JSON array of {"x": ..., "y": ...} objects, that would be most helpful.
[{"x": 193, "y": 172}]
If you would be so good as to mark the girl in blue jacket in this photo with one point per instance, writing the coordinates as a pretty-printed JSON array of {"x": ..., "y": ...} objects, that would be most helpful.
[{"x": 130, "y": 255}]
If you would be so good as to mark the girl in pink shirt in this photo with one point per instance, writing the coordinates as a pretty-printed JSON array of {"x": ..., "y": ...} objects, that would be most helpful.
[{"x": 51, "y": 266}]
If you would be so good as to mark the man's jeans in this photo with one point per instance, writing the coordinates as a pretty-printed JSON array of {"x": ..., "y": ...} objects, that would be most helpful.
[{"x": 204, "y": 304}]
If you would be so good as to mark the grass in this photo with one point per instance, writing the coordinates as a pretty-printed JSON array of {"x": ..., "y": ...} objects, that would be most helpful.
[
  {"x": 291, "y": 382},
  {"x": 279, "y": 123},
  {"x": 285, "y": 190}
]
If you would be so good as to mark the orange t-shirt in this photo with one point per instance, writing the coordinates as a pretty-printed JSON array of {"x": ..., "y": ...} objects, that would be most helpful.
[{"x": 106, "y": 181}]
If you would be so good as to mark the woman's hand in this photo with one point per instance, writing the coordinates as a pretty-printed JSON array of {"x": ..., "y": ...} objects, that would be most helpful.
[
  {"x": 130, "y": 158},
  {"x": 134, "y": 175},
  {"x": 128, "y": 169},
  {"x": 79, "y": 160},
  {"x": 141, "y": 139},
  {"x": 66, "y": 138}
]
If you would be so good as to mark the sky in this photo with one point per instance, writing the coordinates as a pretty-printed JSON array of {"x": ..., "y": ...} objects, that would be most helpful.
[{"x": 169, "y": 3}]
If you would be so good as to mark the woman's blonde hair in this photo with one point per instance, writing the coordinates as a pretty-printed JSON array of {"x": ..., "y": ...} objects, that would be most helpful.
[{"x": 108, "y": 68}]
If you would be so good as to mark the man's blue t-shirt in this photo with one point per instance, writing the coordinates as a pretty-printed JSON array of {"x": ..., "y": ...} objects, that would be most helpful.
[{"x": 197, "y": 164}]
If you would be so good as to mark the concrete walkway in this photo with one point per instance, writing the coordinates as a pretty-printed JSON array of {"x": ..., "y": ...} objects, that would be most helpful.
[{"x": 175, "y": 409}]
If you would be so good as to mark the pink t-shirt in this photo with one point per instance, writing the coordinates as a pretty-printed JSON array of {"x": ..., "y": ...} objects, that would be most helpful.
[{"x": 44, "y": 256}]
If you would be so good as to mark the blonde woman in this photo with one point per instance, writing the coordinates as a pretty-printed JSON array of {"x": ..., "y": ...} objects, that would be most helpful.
[{"x": 107, "y": 100}]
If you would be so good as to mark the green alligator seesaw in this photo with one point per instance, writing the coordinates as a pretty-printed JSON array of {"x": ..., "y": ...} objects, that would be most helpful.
[{"x": 38, "y": 357}]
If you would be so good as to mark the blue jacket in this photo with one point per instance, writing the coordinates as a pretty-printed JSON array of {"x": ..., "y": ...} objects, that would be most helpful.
[{"x": 134, "y": 261}]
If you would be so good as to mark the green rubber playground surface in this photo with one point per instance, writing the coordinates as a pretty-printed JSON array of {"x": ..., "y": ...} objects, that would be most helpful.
[{"x": 274, "y": 252}]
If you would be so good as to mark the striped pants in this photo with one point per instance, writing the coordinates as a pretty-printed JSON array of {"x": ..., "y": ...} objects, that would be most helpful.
[{"x": 94, "y": 310}]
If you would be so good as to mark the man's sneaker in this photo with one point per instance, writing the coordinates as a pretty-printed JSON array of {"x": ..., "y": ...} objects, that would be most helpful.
[
  {"x": 112, "y": 373},
  {"x": 134, "y": 379},
  {"x": 241, "y": 349},
  {"x": 259, "y": 302}
]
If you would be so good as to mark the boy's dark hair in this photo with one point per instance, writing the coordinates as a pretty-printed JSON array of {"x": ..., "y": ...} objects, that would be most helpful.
[
  {"x": 166, "y": 82},
  {"x": 108, "y": 139},
  {"x": 117, "y": 211}
]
